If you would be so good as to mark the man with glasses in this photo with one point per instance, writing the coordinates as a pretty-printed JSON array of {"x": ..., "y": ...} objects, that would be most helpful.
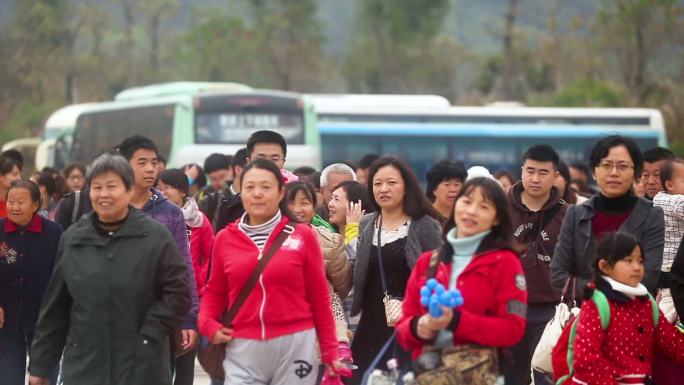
[
  {"x": 537, "y": 212},
  {"x": 270, "y": 145},
  {"x": 654, "y": 158}
]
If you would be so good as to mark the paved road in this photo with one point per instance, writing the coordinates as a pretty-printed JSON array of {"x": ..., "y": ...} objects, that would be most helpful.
[{"x": 201, "y": 377}]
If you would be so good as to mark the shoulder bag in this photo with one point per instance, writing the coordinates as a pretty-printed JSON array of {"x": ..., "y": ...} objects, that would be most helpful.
[
  {"x": 391, "y": 304},
  {"x": 213, "y": 356}
]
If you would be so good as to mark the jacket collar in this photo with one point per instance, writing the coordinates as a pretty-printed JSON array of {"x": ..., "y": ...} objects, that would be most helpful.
[
  {"x": 133, "y": 227},
  {"x": 35, "y": 226},
  {"x": 514, "y": 195},
  {"x": 612, "y": 294}
]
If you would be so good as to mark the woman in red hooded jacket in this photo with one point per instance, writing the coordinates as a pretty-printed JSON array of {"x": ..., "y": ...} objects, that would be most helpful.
[{"x": 476, "y": 260}]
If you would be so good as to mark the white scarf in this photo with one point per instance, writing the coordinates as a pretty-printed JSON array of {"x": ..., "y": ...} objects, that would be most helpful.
[
  {"x": 192, "y": 214},
  {"x": 630, "y": 291}
]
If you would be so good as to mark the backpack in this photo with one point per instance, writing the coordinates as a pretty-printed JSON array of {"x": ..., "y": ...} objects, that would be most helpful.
[{"x": 563, "y": 352}]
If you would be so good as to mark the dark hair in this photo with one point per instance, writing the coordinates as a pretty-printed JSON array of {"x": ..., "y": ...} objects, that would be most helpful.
[
  {"x": 368, "y": 160},
  {"x": 161, "y": 159},
  {"x": 500, "y": 236},
  {"x": 176, "y": 178},
  {"x": 415, "y": 204},
  {"x": 47, "y": 180},
  {"x": 614, "y": 247},
  {"x": 504, "y": 173},
  {"x": 315, "y": 179},
  {"x": 7, "y": 165},
  {"x": 656, "y": 154},
  {"x": 603, "y": 146},
  {"x": 201, "y": 180},
  {"x": 74, "y": 166},
  {"x": 583, "y": 168},
  {"x": 356, "y": 192},
  {"x": 542, "y": 153},
  {"x": 303, "y": 171},
  {"x": 441, "y": 171},
  {"x": 668, "y": 168},
  {"x": 134, "y": 143},
  {"x": 568, "y": 195},
  {"x": 111, "y": 163},
  {"x": 293, "y": 188},
  {"x": 266, "y": 136},
  {"x": 29, "y": 185},
  {"x": 14, "y": 154},
  {"x": 264, "y": 164},
  {"x": 351, "y": 164},
  {"x": 215, "y": 162},
  {"x": 240, "y": 159}
]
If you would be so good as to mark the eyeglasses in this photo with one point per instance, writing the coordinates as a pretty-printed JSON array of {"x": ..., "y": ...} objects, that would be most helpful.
[
  {"x": 272, "y": 158},
  {"x": 620, "y": 167}
]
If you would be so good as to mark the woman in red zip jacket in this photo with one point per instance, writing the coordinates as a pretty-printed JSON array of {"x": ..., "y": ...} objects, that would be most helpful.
[
  {"x": 273, "y": 337},
  {"x": 476, "y": 259}
]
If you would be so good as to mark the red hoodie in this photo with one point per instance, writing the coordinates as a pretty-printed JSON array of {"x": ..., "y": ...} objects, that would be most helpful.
[
  {"x": 291, "y": 296},
  {"x": 493, "y": 311},
  {"x": 201, "y": 241}
]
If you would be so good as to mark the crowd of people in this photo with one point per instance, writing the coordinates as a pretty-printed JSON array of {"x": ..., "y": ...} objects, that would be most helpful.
[{"x": 126, "y": 272}]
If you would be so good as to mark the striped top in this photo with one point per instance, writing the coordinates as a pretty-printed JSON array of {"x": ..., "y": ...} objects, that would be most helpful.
[{"x": 259, "y": 233}]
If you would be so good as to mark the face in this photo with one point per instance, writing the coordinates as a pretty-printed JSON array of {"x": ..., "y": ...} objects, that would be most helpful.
[
  {"x": 302, "y": 207},
  {"x": 577, "y": 174},
  {"x": 20, "y": 206},
  {"x": 171, "y": 193},
  {"x": 7, "y": 179},
  {"x": 75, "y": 180},
  {"x": 615, "y": 173},
  {"x": 145, "y": 168},
  {"x": 109, "y": 197},
  {"x": 474, "y": 214},
  {"x": 269, "y": 151},
  {"x": 676, "y": 184},
  {"x": 388, "y": 188},
  {"x": 447, "y": 191},
  {"x": 650, "y": 178},
  {"x": 260, "y": 194},
  {"x": 629, "y": 270},
  {"x": 362, "y": 175},
  {"x": 560, "y": 184},
  {"x": 219, "y": 178},
  {"x": 538, "y": 177},
  {"x": 505, "y": 182},
  {"x": 337, "y": 207},
  {"x": 334, "y": 179}
]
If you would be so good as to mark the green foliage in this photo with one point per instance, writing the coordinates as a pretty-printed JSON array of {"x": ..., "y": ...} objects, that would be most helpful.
[{"x": 588, "y": 93}]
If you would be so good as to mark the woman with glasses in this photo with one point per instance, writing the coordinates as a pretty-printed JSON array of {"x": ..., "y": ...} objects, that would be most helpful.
[
  {"x": 616, "y": 162},
  {"x": 75, "y": 176}
]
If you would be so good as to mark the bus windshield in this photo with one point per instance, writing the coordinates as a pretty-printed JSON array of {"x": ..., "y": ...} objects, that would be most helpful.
[{"x": 231, "y": 119}]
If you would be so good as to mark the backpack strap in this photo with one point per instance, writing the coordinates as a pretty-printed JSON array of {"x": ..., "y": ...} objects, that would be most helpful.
[
  {"x": 571, "y": 351},
  {"x": 603, "y": 308},
  {"x": 655, "y": 309},
  {"x": 77, "y": 207}
]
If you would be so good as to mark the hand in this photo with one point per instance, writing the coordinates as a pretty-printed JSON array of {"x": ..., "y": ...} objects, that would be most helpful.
[
  {"x": 2, "y": 318},
  {"x": 338, "y": 369},
  {"x": 223, "y": 336},
  {"x": 428, "y": 326},
  {"x": 33, "y": 380},
  {"x": 354, "y": 212},
  {"x": 189, "y": 339}
]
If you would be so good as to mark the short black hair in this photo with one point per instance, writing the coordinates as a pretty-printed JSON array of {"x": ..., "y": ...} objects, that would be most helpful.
[
  {"x": 266, "y": 136},
  {"x": 7, "y": 164},
  {"x": 176, "y": 178},
  {"x": 32, "y": 187},
  {"x": 655, "y": 154},
  {"x": 14, "y": 154},
  {"x": 240, "y": 158},
  {"x": 161, "y": 159},
  {"x": 134, "y": 143},
  {"x": 441, "y": 171},
  {"x": 303, "y": 171},
  {"x": 614, "y": 247},
  {"x": 603, "y": 146},
  {"x": 315, "y": 179},
  {"x": 582, "y": 167},
  {"x": 368, "y": 160},
  {"x": 542, "y": 153},
  {"x": 215, "y": 162},
  {"x": 201, "y": 175},
  {"x": 47, "y": 180},
  {"x": 668, "y": 168},
  {"x": 301, "y": 185}
]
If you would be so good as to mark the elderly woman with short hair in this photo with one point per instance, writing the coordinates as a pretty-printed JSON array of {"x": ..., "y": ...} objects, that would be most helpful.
[{"x": 119, "y": 289}]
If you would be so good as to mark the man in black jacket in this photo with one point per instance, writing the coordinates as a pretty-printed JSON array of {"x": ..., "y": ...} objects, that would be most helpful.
[{"x": 225, "y": 206}]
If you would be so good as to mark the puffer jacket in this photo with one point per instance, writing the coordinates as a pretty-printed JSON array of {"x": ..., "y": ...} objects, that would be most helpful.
[{"x": 337, "y": 267}]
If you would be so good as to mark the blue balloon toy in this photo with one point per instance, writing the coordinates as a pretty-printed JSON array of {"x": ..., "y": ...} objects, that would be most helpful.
[{"x": 433, "y": 296}]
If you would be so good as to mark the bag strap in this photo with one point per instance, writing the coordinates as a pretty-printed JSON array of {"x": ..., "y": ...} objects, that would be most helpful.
[
  {"x": 603, "y": 307},
  {"x": 571, "y": 281},
  {"x": 256, "y": 274},
  {"x": 378, "y": 357},
  {"x": 383, "y": 279},
  {"x": 434, "y": 263},
  {"x": 77, "y": 206}
]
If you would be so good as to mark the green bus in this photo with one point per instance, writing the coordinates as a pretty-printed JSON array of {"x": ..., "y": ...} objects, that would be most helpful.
[{"x": 189, "y": 120}]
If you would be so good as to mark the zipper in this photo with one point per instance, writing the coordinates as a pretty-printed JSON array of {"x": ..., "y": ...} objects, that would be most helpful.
[{"x": 261, "y": 309}]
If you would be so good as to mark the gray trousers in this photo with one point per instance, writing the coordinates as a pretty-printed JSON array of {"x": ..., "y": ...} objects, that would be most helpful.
[{"x": 288, "y": 360}]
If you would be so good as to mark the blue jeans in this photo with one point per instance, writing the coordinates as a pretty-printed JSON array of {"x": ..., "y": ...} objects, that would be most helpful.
[{"x": 14, "y": 345}]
